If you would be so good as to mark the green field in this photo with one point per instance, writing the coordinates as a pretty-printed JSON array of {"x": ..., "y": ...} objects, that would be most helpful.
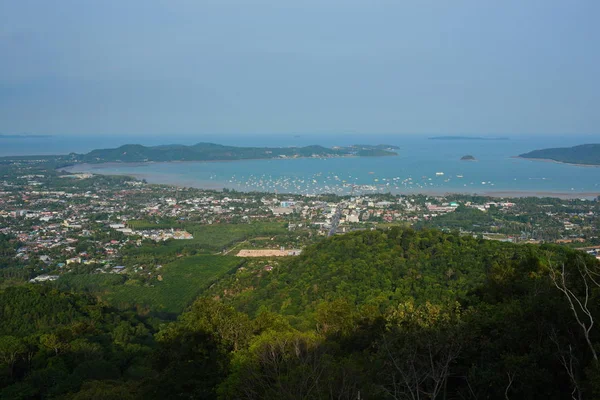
[
  {"x": 182, "y": 281},
  {"x": 214, "y": 237}
]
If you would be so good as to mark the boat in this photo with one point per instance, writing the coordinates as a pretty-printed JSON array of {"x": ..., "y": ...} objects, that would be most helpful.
[{"x": 439, "y": 173}]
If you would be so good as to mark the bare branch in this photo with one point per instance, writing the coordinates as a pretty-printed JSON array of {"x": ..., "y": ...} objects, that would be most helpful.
[
  {"x": 511, "y": 377},
  {"x": 576, "y": 305},
  {"x": 568, "y": 365}
]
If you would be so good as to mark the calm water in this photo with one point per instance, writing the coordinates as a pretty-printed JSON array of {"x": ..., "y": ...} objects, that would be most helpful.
[{"x": 417, "y": 169}]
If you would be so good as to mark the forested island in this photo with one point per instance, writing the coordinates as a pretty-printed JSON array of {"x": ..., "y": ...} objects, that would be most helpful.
[
  {"x": 468, "y": 157},
  {"x": 217, "y": 152},
  {"x": 585, "y": 154}
]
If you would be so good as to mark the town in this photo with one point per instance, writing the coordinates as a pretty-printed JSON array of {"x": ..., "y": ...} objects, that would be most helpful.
[{"x": 56, "y": 222}]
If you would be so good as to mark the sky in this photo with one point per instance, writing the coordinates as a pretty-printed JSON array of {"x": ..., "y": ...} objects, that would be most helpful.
[{"x": 154, "y": 67}]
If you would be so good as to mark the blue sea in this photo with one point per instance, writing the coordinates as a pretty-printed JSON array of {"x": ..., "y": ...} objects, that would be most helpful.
[{"x": 423, "y": 165}]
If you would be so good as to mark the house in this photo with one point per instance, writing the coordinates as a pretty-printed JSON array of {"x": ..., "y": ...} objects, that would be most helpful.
[
  {"x": 182, "y": 235},
  {"x": 44, "y": 278},
  {"x": 73, "y": 260},
  {"x": 352, "y": 218},
  {"x": 46, "y": 260},
  {"x": 282, "y": 210}
]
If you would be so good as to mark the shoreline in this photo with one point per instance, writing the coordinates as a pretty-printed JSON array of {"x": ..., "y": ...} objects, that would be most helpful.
[
  {"x": 549, "y": 160},
  {"x": 539, "y": 194},
  {"x": 207, "y": 185},
  {"x": 143, "y": 163}
]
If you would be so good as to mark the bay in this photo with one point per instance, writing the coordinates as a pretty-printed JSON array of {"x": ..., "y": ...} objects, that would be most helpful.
[{"x": 422, "y": 166}]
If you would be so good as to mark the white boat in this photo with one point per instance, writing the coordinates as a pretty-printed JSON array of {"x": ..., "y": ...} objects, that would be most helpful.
[{"x": 439, "y": 173}]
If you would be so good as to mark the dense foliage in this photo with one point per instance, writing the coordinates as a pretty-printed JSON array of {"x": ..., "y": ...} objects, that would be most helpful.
[
  {"x": 213, "y": 152},
  {"x": 178, "y": 284},
  {"x": 378, "y": 269},
  {"x": 588, "y": 154},
  {"x": 464, "y": 218},
  {"x": 396, "y": 314},
  {"x": 51, "y": 343}
]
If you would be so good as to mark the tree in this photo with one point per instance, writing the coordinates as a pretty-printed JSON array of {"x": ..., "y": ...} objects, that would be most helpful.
[
  {"x": 289, "y": 365},
  {"x": 578, "y": 298},
  {"x": 52, "y": 342},
  {"x": 11, "y": 348},
  {"x": 419, "y": 349},
  {"x": 335, "y": 317},
  {"x": 104, "y": 390}
]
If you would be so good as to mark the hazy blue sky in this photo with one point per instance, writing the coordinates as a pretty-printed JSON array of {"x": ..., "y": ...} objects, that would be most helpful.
[{"x": 302, "y": 66}]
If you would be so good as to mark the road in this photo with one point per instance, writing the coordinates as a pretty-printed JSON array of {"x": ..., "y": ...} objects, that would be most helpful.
[{"x": 336, "y": 219}]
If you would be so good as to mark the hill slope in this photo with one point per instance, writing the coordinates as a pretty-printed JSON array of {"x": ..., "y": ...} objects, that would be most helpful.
[
  {"x": 585, "y": 154},
  {"x": 214, "y": 152},
  {"x": 377, "y": 268},
  {"x": 368, "y": 315}
]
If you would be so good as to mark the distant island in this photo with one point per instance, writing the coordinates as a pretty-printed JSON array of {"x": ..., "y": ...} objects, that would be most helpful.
[
  {"x": 23, "y": 136},
  {"x": 585, "y": 154},
  {"x": 466, "y": 138},
  {"x": 468, "y": 157},
  {"x": 217, "y": 152}
]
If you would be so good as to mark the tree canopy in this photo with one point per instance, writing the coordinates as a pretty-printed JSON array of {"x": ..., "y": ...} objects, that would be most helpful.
[{"x": 394, "y": 314}]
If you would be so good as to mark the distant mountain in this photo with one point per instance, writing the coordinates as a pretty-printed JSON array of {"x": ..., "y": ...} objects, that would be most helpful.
[
  {"x": 585, "y": 154},
  {"x": 468, "y": 157},
  {"x": 376, "y": 147},
  {"x": 466, "y": 138},
  {"x": 217, "y": 152},
  {"x": 23, "y": 136}
]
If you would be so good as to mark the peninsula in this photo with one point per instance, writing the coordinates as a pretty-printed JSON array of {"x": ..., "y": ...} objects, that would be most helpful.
[
  {"x": 217, "y": 152},
  {"x": 585, "y": 154}
]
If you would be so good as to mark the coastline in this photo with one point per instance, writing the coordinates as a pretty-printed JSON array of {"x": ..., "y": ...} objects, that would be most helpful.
[
  {"x": 156, "y": 179},
  {"x": 557, "y": 162},
  {"x": 559, "y": 195},
  {"x": 142, "y": 163},
  {"x": 113, "y": 164}
]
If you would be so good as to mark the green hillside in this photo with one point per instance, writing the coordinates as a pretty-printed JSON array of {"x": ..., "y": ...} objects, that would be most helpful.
[
  {"x": 388, "y": 314},
  {"x": 215, "y": 152},
  {"x": 180, "y": 283},
  {"x": 587, "y": 154},
  {"x": 376, "y": 269}
]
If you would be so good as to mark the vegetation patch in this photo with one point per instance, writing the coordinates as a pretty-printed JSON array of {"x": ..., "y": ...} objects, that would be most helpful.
[
  {"x": 215, "y": 237},
  {"x": 176, "y": 286}
]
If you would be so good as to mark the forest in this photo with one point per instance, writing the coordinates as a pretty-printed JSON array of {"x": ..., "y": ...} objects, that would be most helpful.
[
  {"x": 213, "y": 152},
  {"x": 585, "y": 154},
  {"x": 383, "y": 314}
]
